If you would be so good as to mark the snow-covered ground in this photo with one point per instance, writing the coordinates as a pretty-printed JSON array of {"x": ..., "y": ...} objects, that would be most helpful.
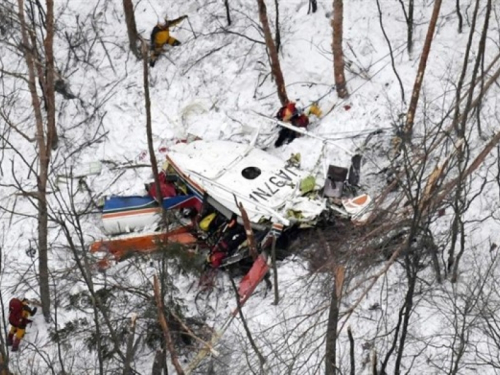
[{"x": 213, "y": 86}]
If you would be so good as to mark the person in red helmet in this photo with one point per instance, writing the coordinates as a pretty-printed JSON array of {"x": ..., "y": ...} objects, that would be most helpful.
[
  {"x": 290, "y": 113},
  {"x": 19, "y": 314}
]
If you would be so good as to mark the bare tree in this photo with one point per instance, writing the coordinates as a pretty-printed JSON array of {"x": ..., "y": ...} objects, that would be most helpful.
[
  {"x": 228, "y": 13},
  {"x": 410, "y": 117},
  {"x": 333, "y": 318},
  {"x": 338, "y": 53},
  {"x": 459, "y": 16},
  {"x": 460, "y": 120},
  {"x": 133, "y": 38},
  {"x": 273, "y": 53},
  {"x": 409, "y": 23},
  {"x": 44, "y": 142}
]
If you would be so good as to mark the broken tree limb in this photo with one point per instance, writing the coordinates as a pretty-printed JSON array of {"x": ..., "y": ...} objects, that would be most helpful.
[
  {"x": 195, "y": 362},
  {"x": 129, "y": 354},
  {"x": 447, "y": 188},
  {"x": 203, "y": 342},
  {"x": 437, "y": 173},
  {"x": 252, "y": 245}
]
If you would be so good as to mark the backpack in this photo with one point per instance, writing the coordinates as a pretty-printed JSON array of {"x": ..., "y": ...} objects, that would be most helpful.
[{"x": 15, "y": 312}]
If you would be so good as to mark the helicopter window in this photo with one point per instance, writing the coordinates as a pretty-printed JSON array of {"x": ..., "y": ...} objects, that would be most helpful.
[{"x": 251, "y": 173}]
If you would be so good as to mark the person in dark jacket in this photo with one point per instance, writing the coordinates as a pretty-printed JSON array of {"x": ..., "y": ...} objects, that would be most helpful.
[
  {"x": 230, "y": 236},
  {"x": 161, "y": 36},
  {"x": 19, "y": 314},
  {"x": 290, "y": 113}
]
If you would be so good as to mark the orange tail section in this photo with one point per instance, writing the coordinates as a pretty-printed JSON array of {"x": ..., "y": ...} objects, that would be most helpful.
[{"x": 144, "y": 244}]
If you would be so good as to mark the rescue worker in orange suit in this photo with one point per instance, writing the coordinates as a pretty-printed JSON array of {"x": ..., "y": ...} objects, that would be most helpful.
[
  {"x": 290, "y": 113},
  {"x": 161, "y": 36},
  {"x": 19, "y": 314}
]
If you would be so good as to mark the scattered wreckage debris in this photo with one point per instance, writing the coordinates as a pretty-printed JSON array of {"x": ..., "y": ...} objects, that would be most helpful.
[{"x": 204, "y": 182}]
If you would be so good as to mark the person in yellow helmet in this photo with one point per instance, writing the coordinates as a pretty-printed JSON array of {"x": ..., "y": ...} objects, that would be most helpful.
[{"x": 161, "y": 36}]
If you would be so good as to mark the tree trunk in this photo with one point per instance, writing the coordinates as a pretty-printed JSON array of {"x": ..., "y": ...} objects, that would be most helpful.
[
  {"x": 133, "y": 38},
  {"x": 43, "y": 263},
  {"x": 165, "y": 327},
  {"x": 277, "y": 26},
  {"x": 149, "y": 135},
  {"x": 351, "y": 351},
  {"x": 333, "y": 319},
  {"x": 4, "y": 359},
  {"x": 159, "y": 367},
  {"x": 409, "y": 23},
  {"x": 313, "y": 6},
  {"x": 275, "y": 272},
  {"x": 411, "y": 271},
  {"x": 52, "y": 138},
  {"x": 44, "y": 158},
  {"x": 129, "y": 354},
  {"x": 460, "y": 206},
  {"x": 51, "y": 143},
  {"x": 459, "y": 16},
  {"x": 273, "y": 53},
  {"x": 480, "y": 54},
  {"x": 409, "y": 26},
  {"x": 460, "y": 84},
  {"x": 228, "y": 13},
  {"x": 408, "y": 129},
  {"x": 338, "y": 53}
]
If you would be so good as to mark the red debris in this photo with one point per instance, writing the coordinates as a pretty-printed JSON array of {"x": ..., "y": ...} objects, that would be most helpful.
[{"x": 253, "y": 278}]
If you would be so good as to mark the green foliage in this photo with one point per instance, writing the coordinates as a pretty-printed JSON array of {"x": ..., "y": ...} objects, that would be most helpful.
[
  {"x": 83, "y": 300},
  {"x": 183, "y": 260},
  {"x": 153, "y": 331},
  {"x": 121, "y": 332}
]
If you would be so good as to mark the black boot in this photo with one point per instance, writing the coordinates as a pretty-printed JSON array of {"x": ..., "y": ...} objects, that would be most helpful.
[{"x": 15, "y": 344}]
